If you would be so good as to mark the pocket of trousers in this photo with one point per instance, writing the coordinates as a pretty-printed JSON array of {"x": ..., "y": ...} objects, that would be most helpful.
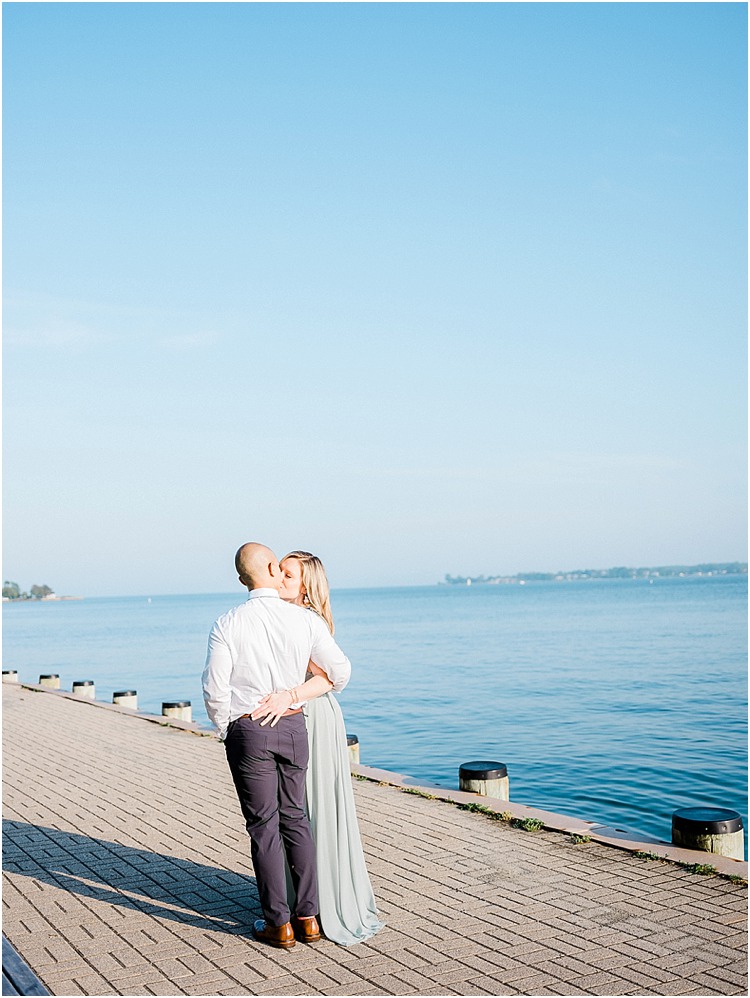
[{"x": 300, "y": 748}]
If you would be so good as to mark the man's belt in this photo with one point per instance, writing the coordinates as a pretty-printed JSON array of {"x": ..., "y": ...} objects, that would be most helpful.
[{"x": 287, "y": 713}]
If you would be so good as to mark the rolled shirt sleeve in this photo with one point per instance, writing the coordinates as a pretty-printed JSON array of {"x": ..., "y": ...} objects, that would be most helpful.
[
  {"x": 217, "y": 691},
  {"x": 326, "y": 654}
]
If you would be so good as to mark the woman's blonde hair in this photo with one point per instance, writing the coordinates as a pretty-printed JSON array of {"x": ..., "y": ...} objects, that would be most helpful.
[{"x": 315, "y": 581}]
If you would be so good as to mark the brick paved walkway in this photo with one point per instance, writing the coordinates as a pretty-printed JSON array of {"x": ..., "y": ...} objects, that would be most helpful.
[{"x": 127, "y": 872}]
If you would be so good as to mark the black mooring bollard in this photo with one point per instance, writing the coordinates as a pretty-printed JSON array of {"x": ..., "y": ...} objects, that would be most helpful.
[
  {"x": 126, "y": 698},
  {"x": 710, "y": 829},
  {"x": 85, "y": 688},
  {"x": 487, "y": 778},
  {"x": 352, "y": 743},
  {"x": 179, "y": 709}
]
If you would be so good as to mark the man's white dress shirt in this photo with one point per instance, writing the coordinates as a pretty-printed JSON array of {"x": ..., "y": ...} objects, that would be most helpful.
[{"x": 264, "y": 646}]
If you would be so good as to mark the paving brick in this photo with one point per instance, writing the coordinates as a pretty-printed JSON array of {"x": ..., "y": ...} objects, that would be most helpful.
[
  {"x": 614, "y": 987},
  {"x": 717, "y": 986},
  {"x": 733, "y": 977},
  {"x": 288, "y": 984},
  {"x": 645, "y": 975},
  {"x": 468, "y": 988},
  {"x": 207, "y": 984},
  {"x": 495, "y": 986},
  {"x": 138, "y": 890},
  {"x": 339, "y": 975},
  {"x": 164, "y": 987},
  {"x": 94, "y": 984},
  {"x": 65, "y": 986},
  {"x": 453, "y": 972}
]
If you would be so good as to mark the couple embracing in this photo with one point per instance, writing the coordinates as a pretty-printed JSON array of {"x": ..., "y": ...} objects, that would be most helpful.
[{"x": 272, "y": 664}]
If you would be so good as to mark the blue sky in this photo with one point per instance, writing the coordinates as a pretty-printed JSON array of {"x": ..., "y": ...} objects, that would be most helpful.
[{"x": 423, "y": 288}]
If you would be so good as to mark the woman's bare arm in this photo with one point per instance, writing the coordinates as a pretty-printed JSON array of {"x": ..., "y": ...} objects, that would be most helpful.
[
  {"x": 317, "y": 671},
  {"x": 274, "y": 705}
]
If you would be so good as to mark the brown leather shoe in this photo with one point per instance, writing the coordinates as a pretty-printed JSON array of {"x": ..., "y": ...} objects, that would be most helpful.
[
  {"x": 306, "y": 930},
  {"x": 281, "y": 936}
]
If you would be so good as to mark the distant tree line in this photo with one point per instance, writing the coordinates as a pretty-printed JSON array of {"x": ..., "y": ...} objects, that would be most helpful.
[
  {"x": 11, "y": 590},
  {"x": 664, "y": 572}
]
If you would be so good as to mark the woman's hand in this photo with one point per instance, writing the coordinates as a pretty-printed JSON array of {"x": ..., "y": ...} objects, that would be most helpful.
[{"x": 272, "y": 707}]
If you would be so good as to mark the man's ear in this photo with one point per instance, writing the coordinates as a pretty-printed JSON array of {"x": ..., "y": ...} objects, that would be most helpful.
[{"x": 244, "y": 580}]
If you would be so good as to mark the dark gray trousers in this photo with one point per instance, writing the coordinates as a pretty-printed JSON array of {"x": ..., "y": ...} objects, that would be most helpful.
[{"x": 268, "y": 768}]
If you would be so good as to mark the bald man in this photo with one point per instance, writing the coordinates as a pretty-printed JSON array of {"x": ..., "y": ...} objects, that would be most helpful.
[{"x": 259, "y": 648}]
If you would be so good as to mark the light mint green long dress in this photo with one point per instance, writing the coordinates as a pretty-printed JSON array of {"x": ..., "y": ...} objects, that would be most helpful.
[{"x": 348, "y": 913}]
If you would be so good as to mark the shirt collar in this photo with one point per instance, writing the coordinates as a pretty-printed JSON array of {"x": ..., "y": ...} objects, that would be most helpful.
[{"x": 259, "y": 593}]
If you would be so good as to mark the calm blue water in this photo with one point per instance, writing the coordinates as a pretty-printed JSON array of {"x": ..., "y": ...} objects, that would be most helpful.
[{"x": 616, "y": 701}]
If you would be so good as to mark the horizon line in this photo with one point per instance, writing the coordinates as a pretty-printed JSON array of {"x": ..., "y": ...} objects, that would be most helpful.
[{"x": 549, "y": 577}]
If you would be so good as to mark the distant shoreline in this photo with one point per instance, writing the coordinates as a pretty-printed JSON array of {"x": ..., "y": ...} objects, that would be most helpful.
[
  {"x": 40, "y": 599},
  {"x": 594, "y": 575},
  {"x": 708, "y": 570}
]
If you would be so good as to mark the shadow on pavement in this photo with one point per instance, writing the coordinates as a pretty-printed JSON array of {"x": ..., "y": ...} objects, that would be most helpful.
[{"x": 152, "y": 883}]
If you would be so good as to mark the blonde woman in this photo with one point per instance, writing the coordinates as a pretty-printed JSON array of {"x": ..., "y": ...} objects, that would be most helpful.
[{"x": 347, "y": 906}]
